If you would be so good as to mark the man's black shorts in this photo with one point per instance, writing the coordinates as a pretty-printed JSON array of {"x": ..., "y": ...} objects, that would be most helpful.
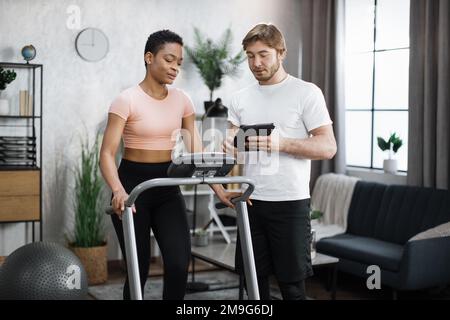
[{"x": 281, "y": 236}]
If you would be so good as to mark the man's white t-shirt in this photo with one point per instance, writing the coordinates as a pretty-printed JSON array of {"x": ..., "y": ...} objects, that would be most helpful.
[{"x": 295, "y": 107}]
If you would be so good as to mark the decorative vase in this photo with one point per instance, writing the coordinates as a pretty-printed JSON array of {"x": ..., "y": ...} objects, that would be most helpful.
[
  {"x": 4, "y": 107},
  {"x": 94, "y": 260},
  {"x": 390, "y": 166}
]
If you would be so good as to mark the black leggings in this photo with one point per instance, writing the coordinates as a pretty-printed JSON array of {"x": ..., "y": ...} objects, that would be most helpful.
[{"x": 163, "y": 210}]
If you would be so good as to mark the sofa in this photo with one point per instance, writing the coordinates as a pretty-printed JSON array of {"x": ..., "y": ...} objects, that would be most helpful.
[{"x": 404, "y": 230}]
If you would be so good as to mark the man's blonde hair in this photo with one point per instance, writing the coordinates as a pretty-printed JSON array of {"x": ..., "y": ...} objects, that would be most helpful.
[{"x": 268, "y": 34}]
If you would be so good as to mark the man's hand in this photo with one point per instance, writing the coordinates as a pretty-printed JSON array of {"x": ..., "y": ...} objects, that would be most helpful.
[
  {"x": 270, "y": 143},
  {"x": 225, "y": 198},
  {"x": 228, "y": 146}
]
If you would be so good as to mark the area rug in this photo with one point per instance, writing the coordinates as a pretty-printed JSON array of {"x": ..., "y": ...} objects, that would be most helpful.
[{"x": 222, "y": 286}]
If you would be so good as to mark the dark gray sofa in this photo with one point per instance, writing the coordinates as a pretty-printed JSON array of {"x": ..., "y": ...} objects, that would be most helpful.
[{"x": 382, "y": 220}]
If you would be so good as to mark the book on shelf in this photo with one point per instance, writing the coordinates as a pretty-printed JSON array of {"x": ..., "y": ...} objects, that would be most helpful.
[{"x": 25, "y": 103}]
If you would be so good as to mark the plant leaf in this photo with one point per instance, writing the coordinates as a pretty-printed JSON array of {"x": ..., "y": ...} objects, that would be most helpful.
[
  {"x": 316, "y": 214},
  {"x": 88, "y": 228},
  {"x": 396, "y": 142},
  {"x": 382, "y": 144}
]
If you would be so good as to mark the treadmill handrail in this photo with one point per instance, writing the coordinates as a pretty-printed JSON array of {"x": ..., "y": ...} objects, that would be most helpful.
[{"x": 166, "y": 182}]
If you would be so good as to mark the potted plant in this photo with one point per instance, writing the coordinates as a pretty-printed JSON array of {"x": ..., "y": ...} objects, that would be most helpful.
[
  {"x": 214, "y": 61},
  {"x": 201, "y": 237},
  {"x": 315, "y": 215},
  {"x": 88, "y": 238},
  {"x": 6, "y": 77},
  {"x": 392, "y": 145}
]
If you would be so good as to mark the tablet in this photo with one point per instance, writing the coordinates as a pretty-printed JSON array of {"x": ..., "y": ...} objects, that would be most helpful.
[{"x": 245, "y": 131}]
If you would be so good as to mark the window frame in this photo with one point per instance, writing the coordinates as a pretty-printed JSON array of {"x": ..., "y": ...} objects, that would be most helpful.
[{"x": 372, "y": 109}]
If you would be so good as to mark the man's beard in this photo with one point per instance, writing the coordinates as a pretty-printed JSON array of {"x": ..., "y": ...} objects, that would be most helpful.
[{"x": 272, "y": 70}]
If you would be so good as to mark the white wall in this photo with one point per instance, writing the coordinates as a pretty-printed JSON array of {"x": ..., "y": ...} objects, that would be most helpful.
[{"x": 77, "y": 93}]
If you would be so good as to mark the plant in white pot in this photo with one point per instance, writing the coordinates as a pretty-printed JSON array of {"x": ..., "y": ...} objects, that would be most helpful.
[
  {"x": 6, "y": 77},
  {"x": 201, "y": 237},
  {"x": 391, "y": 145},
  {"x": 88, "y": 237}
]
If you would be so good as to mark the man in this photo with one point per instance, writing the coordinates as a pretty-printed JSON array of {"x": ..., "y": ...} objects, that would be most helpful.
[{"x": 279, "y": 214}]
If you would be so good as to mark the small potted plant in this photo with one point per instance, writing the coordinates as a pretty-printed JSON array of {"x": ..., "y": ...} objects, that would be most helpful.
[
  {"x": 201, "y": 237},
  {"x": 6, "y": 77},
  {"x": 88, "y": 237},
  {"x": 315, "y": 215},
  {"x": 391, "y": 145},
  {"x": 214, "y": 61}
]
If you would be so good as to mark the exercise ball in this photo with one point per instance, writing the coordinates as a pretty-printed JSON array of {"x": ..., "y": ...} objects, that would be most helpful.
[{"x": 43, "y": 271}]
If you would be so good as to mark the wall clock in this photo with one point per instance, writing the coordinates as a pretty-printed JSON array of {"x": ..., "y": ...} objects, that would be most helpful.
[{"x": 92, "y": 44}]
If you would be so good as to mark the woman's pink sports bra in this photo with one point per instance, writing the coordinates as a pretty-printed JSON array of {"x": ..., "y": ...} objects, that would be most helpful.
[{"x": 151, "y": 124}]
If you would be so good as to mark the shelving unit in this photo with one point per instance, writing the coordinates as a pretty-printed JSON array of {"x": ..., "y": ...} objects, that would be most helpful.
[{"x": 21, "y": 150}]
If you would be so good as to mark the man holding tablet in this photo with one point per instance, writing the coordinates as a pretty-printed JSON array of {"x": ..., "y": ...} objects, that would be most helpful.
[{"x": 279, "y": 160}]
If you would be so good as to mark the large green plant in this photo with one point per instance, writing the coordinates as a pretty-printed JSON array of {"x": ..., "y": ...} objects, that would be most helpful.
[
  {"x": 89, "y": 228},
  {"x": 214, "y": 60},
  {"x": 6, "y": 77}
]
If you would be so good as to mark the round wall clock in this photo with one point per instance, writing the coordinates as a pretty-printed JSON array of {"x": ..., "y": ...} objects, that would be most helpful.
[{"x": 92, "y": 44}]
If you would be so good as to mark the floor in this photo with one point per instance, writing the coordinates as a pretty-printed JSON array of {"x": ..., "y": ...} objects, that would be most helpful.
[{"x": 349, "y": 287}]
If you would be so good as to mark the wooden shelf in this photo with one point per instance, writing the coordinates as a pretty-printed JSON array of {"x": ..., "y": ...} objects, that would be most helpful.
[{"x": 20, "y": 195}]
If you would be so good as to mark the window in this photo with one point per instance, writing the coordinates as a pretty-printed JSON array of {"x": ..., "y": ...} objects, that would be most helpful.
[{"x": 377, "y": 72}]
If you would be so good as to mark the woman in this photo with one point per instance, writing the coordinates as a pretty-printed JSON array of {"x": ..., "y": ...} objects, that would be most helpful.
[{"x": 147, "y": 115}]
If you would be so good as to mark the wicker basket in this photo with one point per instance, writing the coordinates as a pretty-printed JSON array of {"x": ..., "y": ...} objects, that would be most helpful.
[{"x": 95, "y": 262}]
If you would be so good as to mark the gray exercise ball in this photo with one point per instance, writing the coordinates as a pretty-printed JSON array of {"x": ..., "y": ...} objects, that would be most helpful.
[{"x": 43, "y": 271}]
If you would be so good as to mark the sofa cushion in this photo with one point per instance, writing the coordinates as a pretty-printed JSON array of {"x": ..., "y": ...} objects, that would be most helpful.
[
  {"x": 363, "y": 249},
  {"x": 364, "y": 208},
  {"x": 406, "y": 211}
]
